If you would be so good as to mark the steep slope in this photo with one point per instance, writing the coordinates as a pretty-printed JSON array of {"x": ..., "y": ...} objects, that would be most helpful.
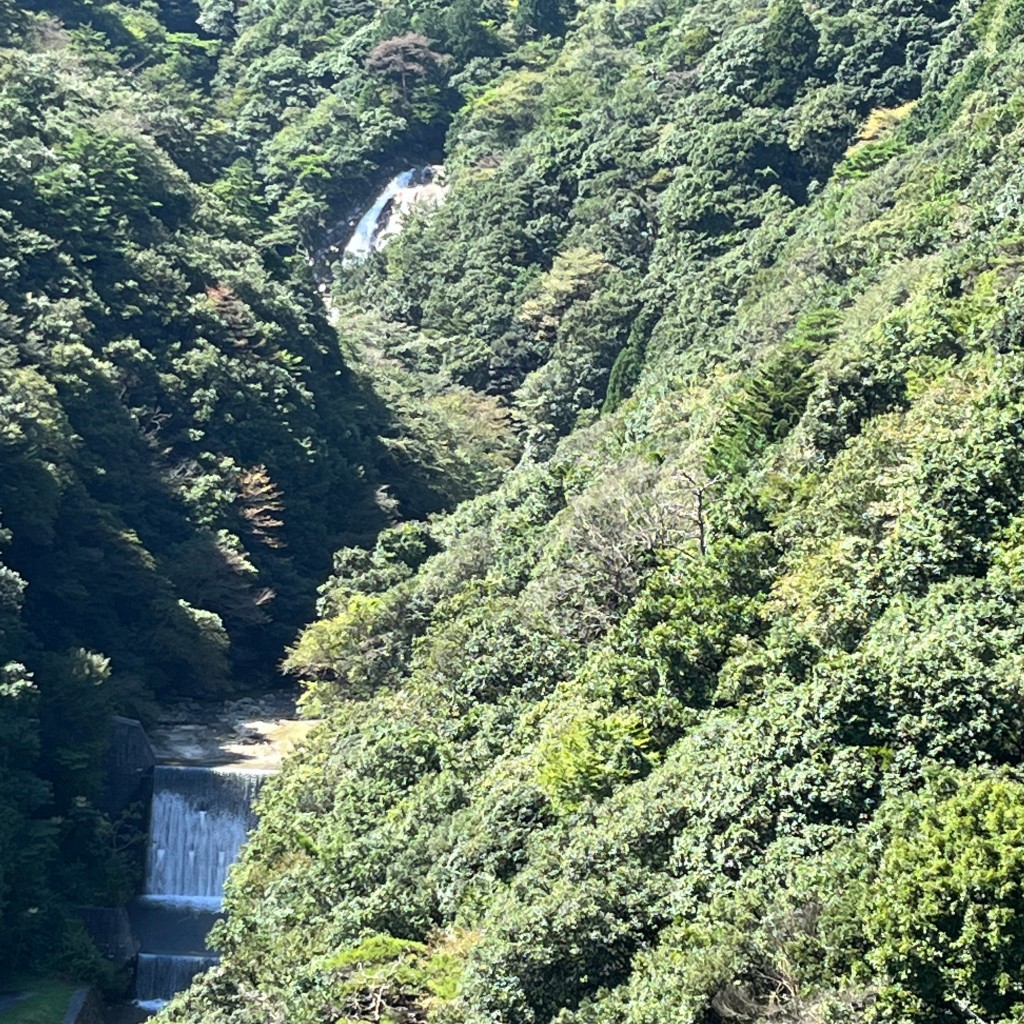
[
  {"x": 175, "y": 421},
  {"x": 711, "y": 711},
  {"x": 183, "y": 443}
]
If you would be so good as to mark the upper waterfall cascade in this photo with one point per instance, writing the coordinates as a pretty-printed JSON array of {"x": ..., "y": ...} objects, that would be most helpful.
[{"x": 383, "y": 220}]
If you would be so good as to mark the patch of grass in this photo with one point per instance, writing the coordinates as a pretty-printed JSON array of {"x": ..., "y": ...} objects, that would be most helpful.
[{"x": 46, "y": 1003}]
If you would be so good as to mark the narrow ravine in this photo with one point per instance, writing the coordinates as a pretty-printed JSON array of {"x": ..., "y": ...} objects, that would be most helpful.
[{"x": 214, "y": 761}]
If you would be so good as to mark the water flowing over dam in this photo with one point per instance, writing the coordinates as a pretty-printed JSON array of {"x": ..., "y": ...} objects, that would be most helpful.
[{"x": 199, "y": 820}]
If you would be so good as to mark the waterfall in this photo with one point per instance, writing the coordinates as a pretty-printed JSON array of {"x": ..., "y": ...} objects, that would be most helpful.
[
  {"x": 199, "y": 819},
  {"x": 161, "y": 977},
  {"x": 364, "y": 238},
  {"x": 414, "y": 187}
]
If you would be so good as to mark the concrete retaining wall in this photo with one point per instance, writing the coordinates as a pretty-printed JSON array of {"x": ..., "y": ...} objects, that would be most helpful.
[
  {"x": 129, "y": 767},
  {"x": 85, "y": 1007},
  {"x": 111, "y": 929}
]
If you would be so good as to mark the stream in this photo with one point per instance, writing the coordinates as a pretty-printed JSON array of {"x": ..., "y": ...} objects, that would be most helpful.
[
  {"x": 212, "y": 761},
  {"x": 210, "y": 767}
]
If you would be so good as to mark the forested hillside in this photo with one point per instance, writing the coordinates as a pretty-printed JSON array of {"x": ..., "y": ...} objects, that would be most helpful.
[
  {"x": 183, "y": 441},
  {"x": 673, "y": 470},
  {"x": 712, "y": 710}
]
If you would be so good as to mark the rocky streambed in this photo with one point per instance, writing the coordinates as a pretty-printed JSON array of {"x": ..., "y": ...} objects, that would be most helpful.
[{"x": 246, "y": 733}]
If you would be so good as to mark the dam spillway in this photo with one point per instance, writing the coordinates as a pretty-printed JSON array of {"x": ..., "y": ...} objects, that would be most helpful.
[{"x": 199, "y": 819}]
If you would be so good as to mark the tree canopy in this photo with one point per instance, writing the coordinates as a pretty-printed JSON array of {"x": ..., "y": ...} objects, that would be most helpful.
[{"x": 644, "y": 522}]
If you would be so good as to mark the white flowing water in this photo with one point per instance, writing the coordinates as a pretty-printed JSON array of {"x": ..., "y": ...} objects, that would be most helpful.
[
  {"x": 199, "y": 820},
  {"x": 366, "y": 233},
  {"x": 383, "y": 220},
  {"x": 158, "y": 978}
]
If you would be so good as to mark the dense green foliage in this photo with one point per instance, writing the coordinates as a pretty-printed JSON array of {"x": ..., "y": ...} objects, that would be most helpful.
[
  {"x": 711, "y": 711},
  {"x": 183, "y": 441},
  {"x": 699, "y": 696}
]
